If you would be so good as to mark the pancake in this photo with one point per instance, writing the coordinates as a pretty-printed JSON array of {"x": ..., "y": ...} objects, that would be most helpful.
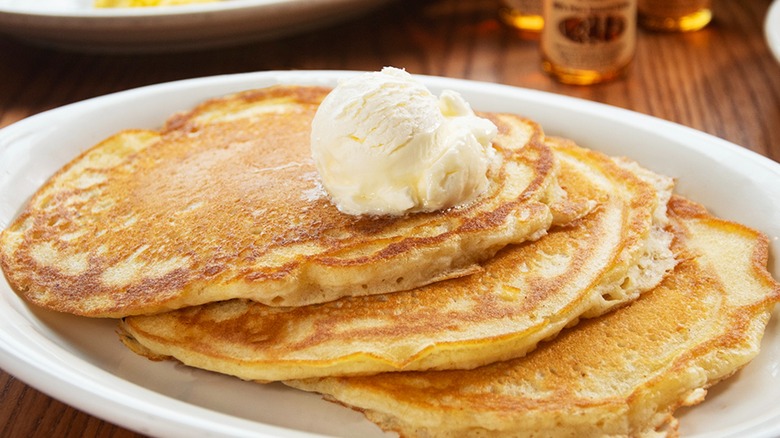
[
  {"x": 623, "y": 374},
  {"x": 526, "y": 293},
  {"x": 224, "y": 202}
]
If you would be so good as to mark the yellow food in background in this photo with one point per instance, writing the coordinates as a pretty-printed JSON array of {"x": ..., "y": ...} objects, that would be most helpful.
[{"x": 144, "y": 3}]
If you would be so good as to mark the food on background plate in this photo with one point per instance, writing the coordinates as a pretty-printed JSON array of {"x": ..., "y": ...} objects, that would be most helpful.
[
  {"x": 146, "y": 3},
  {"x": 623, "y": 374},
  {"x": 242, "y": 238},
  {"x": 526, "y": 293}
]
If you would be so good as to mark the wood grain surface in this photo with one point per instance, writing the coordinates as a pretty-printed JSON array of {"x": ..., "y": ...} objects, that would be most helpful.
[{"x": 721, "y": 80}]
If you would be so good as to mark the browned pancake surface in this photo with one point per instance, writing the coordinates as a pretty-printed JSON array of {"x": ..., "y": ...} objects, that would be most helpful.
[
  {"x": 623, "y": 374},
  {"x": 224, "y": 202},
  {"x": 524, "y": 294}
]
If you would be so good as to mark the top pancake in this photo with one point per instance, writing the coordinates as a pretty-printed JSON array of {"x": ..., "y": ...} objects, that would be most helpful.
[
  {"x": 526, "y": 293},
  {"x": 224, "y": 202},
  {"x": 623, "y": 374}
]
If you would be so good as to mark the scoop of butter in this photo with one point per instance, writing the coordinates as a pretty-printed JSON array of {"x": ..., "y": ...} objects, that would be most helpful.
[{"x": 383, "y": 144}]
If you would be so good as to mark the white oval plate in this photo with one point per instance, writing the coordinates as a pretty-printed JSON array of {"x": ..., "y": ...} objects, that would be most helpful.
[
  {"x": 772, "y": 28},
  {"x": 81, "y": 362},
  {"x": 76, "y": 25}
]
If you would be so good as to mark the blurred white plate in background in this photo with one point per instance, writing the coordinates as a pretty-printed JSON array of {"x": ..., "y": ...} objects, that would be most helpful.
[
  {"x": 772, "y": 28},
  {"x": 76, "y": 25}
]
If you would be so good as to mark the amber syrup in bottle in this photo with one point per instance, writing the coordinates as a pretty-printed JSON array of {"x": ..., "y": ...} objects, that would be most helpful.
[
  {"x": 523, "y": 15},
  {"x": 674, "y": 15},
  {"x": 588, "y": 41}
]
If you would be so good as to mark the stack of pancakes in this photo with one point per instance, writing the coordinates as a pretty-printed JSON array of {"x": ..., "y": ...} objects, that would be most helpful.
[{"x": 579, "y": 296}]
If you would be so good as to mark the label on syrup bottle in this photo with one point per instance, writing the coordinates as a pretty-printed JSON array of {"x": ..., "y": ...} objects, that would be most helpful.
[{"x": 589, "y": 34}]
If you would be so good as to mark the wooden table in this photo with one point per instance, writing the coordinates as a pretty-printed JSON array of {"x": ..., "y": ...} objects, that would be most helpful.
[{"x": 722, "y": 80}]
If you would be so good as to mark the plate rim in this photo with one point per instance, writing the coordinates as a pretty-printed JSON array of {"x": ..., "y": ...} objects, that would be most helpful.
[
  {"x": 772, "y": 29},
  {"x": 173, "y": 28},
  {"x": 84, "y": 12}
]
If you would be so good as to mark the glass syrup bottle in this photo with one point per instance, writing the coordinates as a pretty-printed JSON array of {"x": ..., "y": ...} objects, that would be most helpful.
[
  {"x": 525, "y": 15},
  {"x": 588, "y": 41},
  {"x": 674, "y": 15}
]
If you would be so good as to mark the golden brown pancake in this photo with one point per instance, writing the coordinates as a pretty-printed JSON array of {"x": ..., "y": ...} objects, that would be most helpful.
[
  {"x": 623, "y": 374},
  {"x": 526, "y": 293},
  {"x": 224, "y": 202}
]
